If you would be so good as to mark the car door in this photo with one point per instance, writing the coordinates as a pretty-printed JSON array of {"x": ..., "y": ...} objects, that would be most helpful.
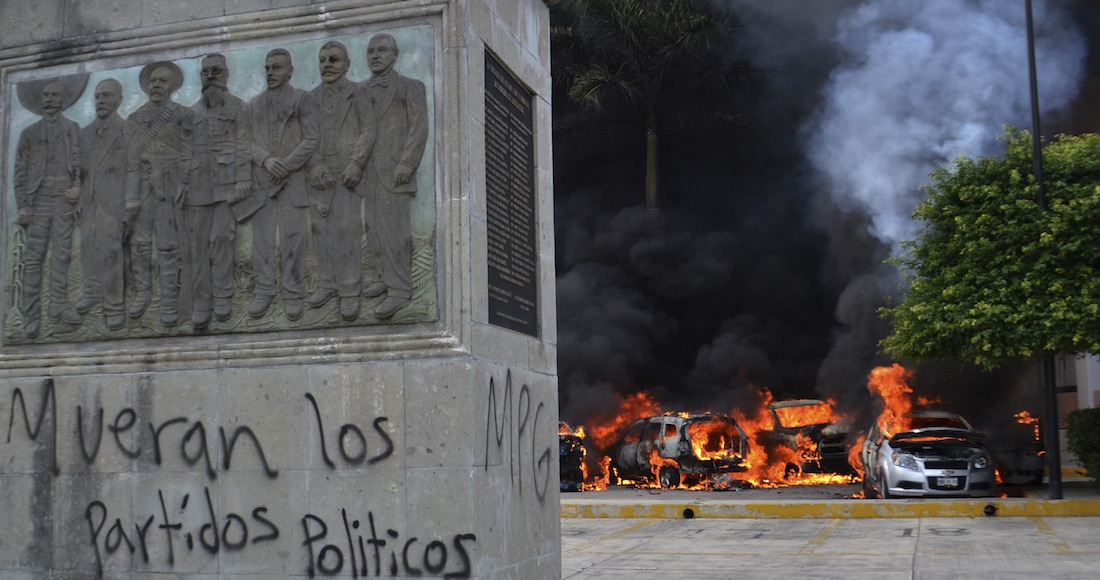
[
  {"x": 626, "y": 454},
  {"x": 869, "y": 454}
]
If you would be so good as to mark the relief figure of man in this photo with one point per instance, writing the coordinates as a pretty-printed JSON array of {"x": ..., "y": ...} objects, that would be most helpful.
[
  {"x": 159, "y": 172},
  {"x": 47, "y": 185},
  {"x": 223, "y": 146},
  {"x": 103, "y": 146},
  {"x": 335, "y": 172},
  {"x": 284, "y": 137},
  {"x": 400, "y": 108}
]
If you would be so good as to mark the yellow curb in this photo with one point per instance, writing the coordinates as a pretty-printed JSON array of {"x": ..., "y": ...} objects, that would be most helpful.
[
  {"x": 918, "y": 508},
  {"x": 1074, "y": 472}
]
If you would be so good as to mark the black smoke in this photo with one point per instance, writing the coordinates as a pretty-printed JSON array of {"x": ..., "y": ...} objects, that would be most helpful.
[{"x": 766, "y": 262}]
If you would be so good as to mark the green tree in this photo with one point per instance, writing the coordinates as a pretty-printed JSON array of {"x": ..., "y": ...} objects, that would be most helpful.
[
  {"x": 633, "y": 61},
  {"x": 992, "y": 275}
]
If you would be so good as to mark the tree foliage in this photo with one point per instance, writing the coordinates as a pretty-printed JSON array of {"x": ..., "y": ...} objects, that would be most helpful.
[
  {"x": 634, "y": 61},
  {"x": 992, "y": 275}
]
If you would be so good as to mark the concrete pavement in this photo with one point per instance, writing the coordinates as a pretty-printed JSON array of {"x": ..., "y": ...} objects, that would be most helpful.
[
  {"x": 1032, "y": 548},
  {"x": 822, "y": 532}
]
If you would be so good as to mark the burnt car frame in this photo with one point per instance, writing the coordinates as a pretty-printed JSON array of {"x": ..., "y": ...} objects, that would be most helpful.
[
  {"x": 940, "y": 455},
  {"x": 687, "y": 447},
  {"x": 830, "y": 438},
  {"x": 571, "y": 454}
]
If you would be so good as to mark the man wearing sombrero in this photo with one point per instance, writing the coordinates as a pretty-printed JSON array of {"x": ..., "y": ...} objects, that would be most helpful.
[
  {"x": 159, "y": 167},
  {"x": 47, "y": 187}
]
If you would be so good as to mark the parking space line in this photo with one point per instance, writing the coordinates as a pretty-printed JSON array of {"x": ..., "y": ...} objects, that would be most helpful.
[
  {"x": 820, "y": 538},
  {"x": 1060, "y": 546},
  {"x": 614, "y": 535}
]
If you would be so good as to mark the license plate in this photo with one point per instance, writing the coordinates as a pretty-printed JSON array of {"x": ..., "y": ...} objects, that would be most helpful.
[{"x": 947, "y": 482}]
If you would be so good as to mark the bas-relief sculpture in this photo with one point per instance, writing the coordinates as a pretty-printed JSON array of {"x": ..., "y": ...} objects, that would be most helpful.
[{"x": 194, "y": 219}]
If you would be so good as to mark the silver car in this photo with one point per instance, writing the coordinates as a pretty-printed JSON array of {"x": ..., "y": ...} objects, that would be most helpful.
[{"x": 939, "y": 455}]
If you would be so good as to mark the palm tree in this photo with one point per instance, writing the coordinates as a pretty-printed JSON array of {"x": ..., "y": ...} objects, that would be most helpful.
[{"x": 628, "y": 61}]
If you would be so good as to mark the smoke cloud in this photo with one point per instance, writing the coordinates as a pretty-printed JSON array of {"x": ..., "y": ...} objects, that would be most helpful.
[{"x": 766, "y": 265}]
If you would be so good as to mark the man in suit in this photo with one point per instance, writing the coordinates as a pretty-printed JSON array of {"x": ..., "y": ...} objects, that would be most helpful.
[
  {"x": 159, "y": 173},
  {"x": 400, "y": 107},
  {"x": 102, "y": 207},
  {"x": 284, "y": 136},
  {"x": 223, "y": 175},
  {"x": 335, "y": 170},
  {"x": 47, "y": 187}
]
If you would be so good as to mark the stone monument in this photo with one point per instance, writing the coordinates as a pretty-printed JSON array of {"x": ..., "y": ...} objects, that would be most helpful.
[{"x": 278, "y": 290}]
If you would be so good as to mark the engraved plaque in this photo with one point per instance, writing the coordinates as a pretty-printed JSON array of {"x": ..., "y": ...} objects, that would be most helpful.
[{"x": 510, "y": 201}]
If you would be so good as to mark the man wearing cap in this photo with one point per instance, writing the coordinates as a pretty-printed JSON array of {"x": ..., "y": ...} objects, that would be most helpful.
[
  {"x": 223, "y": 175},
  {"x": 159, "y": 166}
]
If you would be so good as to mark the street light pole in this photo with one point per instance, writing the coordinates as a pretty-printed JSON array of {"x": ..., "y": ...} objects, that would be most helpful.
[{"x": 1050, "y": 418}]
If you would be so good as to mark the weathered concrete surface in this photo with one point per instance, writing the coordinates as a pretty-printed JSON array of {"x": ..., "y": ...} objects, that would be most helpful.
[
  {"x": 395, "y": 448},
  {"x": 1060, "y": 548}
]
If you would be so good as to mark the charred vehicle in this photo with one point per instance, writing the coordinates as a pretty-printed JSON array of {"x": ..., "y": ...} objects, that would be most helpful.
[
  {"x": 937, "y": 453},
  {"x": 810, "y": 426},
  {"x": 571, "y": 453},
  {"x": 671, "y": 449}
]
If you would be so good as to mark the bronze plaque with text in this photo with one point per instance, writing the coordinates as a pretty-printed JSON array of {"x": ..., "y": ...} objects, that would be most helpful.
[{"x": 510, "y": 201}]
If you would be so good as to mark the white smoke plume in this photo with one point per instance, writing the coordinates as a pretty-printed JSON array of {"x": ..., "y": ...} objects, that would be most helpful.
[{"x": 922, "y": 82}]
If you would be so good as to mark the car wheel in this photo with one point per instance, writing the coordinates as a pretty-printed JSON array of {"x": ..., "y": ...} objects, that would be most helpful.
[
  {"x": 668, "y": 477},
  {"x": 869, "y": 490},
  {"x": 885, "y": 487},
  {"x": 791, "y": 471}
]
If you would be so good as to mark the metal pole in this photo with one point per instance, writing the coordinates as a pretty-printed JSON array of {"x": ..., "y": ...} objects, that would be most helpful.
[{"x": 1050, "y": 414}]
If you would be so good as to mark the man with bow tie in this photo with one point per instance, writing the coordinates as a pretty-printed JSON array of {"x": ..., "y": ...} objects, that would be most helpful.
[
  {"x": 103, "y": 146},
  {"x": 284, "y": 136},
  {"x": 335, "y": 170},
  {"x": 401, "y": 109}
]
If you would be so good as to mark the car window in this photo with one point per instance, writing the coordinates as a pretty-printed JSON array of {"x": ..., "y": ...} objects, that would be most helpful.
[
  {"x": 652, "y": 432},
  {"x": 927, "y": 422},
  {"x": 671, "y": 431},
  {"x": 634, "y": 434},
  {"x": 796, "y": 416}
]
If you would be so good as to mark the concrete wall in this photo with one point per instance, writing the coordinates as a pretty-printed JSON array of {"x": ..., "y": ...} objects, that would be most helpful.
[{"x": 417, "y": 447}]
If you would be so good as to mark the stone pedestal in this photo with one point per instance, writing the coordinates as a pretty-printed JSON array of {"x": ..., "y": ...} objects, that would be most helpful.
[{"x": 407, "y": 437}]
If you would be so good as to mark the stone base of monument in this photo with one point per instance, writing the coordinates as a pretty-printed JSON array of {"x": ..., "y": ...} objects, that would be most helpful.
[{"x": 392, "y": 410}]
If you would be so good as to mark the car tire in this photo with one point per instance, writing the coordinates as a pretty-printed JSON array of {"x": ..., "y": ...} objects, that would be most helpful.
[
  {"x": 885, "y": 487},
  {"x": 791, "y": 471},
  {"x": 668, "y": 477},
  {"x": 869, "y": 490}
]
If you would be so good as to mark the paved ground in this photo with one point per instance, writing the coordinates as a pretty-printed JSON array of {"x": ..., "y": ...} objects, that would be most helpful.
[
  {"x": 818, "y": 532},
  {"x": 1031, "y": 548}
]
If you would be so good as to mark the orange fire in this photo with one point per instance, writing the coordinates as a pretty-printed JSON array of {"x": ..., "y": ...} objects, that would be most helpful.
[
  {"x": 890, "y": 384},
  {"x": 1025, "y": 418},
  {"x": 631, "y": 408}
]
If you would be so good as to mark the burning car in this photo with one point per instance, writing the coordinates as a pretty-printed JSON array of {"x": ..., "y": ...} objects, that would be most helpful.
[
  {"x": 810, "y": 426},
  {"x": 571, "y": 462},
  {"x": 933, "y": 453},
  {"x": 674, "y": 448}
]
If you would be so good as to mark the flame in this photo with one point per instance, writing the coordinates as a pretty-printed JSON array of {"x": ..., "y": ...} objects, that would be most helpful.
[
  {"x": 890, "y": 385},
  {"x": 1025, "y": 418},
  {"x": 631, "y": 408},
  {"x": 796, "y": 416}
]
